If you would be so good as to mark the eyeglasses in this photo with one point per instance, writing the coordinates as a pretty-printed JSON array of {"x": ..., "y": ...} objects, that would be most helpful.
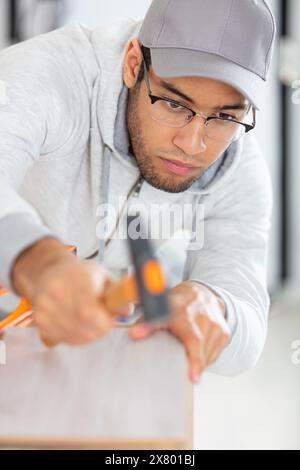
[{"x": 174, "y": 114}]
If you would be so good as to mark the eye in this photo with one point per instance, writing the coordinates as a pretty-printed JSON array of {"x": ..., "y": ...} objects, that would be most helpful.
[
  {"x": 226, "y": 116},
  {"x": 174, "y": 106}
]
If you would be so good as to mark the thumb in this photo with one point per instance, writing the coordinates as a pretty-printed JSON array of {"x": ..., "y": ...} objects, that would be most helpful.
[
  {"x": 141, "y": 330},
  {"x": 99, "y": 276}
]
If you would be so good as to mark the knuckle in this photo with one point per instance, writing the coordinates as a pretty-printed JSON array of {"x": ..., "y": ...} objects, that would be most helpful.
[
  {"x": 41, "y": 318},
  {"x": 96, "y": 274},
  {"x": 56, "y": 290},
  {"x": 218, "y": 332},
  {"x": 87, "y": 314},
  {"x": 83, "y": 314},
  {"x": 225, "y": 340},
  {"x": 82, "y": 337},
  {"x": 41, "y": 304},
  {"x": 104, "y": 324},
  {"x": 215, "y": 356},
  {"x": 88, "y": 336},
  {"x": 77, "y": 337},
  {"x": 76, "y": 341},
  {"x": 94, "y": 320},
  {"x": 200, "y": 363}
]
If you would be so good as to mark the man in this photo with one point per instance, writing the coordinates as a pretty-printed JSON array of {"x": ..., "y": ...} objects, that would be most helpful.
[{"x": 167, "y": 122}]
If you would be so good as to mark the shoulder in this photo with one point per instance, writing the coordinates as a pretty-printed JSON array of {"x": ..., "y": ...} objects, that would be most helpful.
[
  {"x": 248, "y": 190},
  {"x": 58, "y": 52}
]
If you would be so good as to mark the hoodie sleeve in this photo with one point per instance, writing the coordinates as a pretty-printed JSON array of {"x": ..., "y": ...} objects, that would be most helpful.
[
  {"x": 233, "y": 260},
  {"x": 22, "y": 133},
  {"x": 42, "y": 90}
]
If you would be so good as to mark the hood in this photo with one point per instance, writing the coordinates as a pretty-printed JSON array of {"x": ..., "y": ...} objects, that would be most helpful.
[{"x": 109, "y": 43}]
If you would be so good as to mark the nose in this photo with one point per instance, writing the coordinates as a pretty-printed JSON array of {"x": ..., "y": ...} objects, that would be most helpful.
[{"x": 190, "y": 138}]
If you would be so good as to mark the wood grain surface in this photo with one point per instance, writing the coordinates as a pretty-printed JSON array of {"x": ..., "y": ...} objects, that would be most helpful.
[{"x": 113, "y": 394}]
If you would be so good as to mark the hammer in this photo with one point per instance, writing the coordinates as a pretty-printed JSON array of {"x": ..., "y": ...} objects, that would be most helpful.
[{"x": 148, "y": 286}]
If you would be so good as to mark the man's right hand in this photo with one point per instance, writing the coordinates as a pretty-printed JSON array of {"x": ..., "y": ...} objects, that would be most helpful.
[{"x": 64, "y": 293}]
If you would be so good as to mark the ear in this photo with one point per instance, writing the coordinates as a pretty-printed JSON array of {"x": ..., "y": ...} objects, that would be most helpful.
[{"x": 132, "y": 63}]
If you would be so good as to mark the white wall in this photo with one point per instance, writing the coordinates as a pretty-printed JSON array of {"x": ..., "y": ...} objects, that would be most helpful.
[
  {"x": 268, "y": 133},
  {"x": 294, "y": 156},
  {"x": 3, "y": 23},
  {"x": 95, "y": 12}
]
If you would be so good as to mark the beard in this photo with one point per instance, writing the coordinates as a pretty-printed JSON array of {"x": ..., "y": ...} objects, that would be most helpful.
[{"x": 138, "y": 148}]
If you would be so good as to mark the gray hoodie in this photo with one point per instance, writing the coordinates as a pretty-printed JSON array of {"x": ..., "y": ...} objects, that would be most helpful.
[{"x": 59, "y": 161}]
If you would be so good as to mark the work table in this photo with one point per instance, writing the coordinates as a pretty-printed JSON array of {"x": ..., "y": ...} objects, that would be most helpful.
[{"x": 113, "y": 394}]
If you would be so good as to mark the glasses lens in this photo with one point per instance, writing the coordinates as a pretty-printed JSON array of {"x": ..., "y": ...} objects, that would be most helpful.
[
  {"x": 224, "y": 131},
  {"x": 170, "y": 113}
]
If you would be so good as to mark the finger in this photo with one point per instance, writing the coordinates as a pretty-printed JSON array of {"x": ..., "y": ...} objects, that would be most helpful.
[
  {"x": 127, "y": 311},
  {"x": 49, "y": 333},
  {"x": 213, "y": 335},
  {"x": 98, "y": 276},
  {"x": 213, "y": 338},
  {"x": 93, "y": 319},
  {"x": 48, "y": 307},
  {"x": 80, "y": 326},
  {"x": 52, "y": 335},
  {"x": 56, "y": 321},
  {"x": 196, "y": 357},
  {"x": 54, "y": 313},
  {"x": 203, "y": 323},
  {"x": 88, "y": 310},
  {"x": 191, "y": 336},
  {"x": 218, "y": 348},
  {"x": 87, "y": 301},
  {"x": 142, "y": 330}
]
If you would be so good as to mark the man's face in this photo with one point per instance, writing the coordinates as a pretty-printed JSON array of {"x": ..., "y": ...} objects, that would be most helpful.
[{"x": 172, "y": 159}]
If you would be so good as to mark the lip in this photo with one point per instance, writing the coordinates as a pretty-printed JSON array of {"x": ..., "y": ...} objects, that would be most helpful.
[{"x": 177, "y": 167}]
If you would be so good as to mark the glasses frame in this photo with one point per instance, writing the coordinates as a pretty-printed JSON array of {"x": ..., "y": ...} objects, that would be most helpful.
[{"x": 207, "y": 119}]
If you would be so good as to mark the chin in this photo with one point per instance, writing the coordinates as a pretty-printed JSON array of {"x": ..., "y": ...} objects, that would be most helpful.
[{"x": 174, "y": 184}]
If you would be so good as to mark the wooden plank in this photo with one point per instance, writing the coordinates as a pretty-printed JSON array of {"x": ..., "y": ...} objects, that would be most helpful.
[
  {"x": 91, "y": 444},
  {"x": 113, "y": 394}
]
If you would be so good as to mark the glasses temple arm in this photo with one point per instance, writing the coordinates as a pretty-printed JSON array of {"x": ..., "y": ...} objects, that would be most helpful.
[{"x": 146, "y": 77}]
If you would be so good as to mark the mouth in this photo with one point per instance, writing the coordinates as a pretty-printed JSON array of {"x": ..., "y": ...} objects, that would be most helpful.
[{"x": 178, "y": 168}]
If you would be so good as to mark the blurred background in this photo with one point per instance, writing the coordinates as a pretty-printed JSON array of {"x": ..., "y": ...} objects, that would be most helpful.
[{"x": 261, "y": 409}]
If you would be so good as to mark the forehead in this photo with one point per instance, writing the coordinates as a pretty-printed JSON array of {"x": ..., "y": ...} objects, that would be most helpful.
[{"x": 202, "y": 90}]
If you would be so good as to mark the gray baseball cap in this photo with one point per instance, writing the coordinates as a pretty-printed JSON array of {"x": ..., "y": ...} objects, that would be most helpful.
[{"x": 227, "y": 40}]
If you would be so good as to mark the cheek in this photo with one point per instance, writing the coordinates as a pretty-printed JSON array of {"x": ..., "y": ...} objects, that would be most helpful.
[
  {"x": 214, "y": 151},
  {"x": 156, "y": 136}
]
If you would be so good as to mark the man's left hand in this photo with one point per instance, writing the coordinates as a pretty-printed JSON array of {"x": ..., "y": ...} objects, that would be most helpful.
[{"x": 198, "y": 321}]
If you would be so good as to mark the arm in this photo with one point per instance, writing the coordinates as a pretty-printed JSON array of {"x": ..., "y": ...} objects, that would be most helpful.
[
  {"x": 36, "y": 98},
  {"x": 220, "y": 311},
  {"x": 22, "y": 133},
  {"x": 233, "y": 261},
  {"x": 39, "y": 114}
]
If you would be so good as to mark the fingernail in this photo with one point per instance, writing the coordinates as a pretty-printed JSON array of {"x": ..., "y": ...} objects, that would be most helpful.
[
  {"x": 196, "y": 377},
  {"x": 139, "y": 329}
]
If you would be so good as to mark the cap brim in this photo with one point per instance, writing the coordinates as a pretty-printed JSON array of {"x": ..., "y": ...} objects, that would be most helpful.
[{"x": 173, "y": 62}]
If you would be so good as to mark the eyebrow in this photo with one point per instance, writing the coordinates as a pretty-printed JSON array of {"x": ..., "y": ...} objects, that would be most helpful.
[{"x": 175, "y": 91}]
